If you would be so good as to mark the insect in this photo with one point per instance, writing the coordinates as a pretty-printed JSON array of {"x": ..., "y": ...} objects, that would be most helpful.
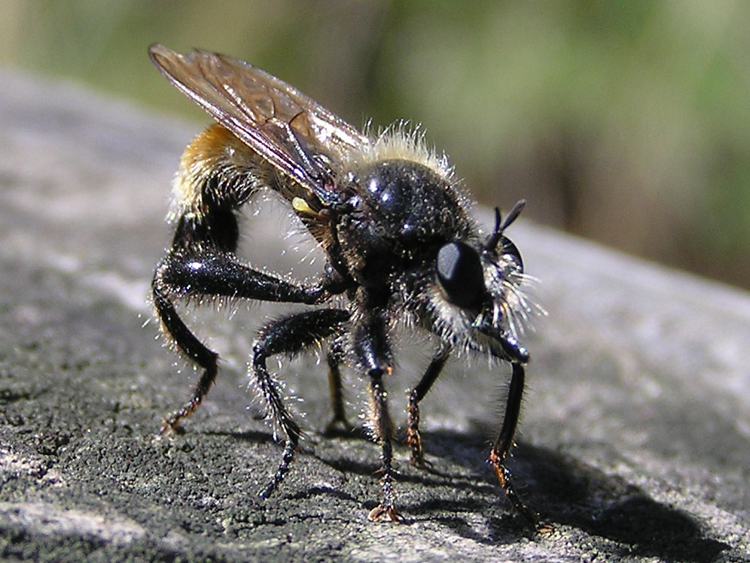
[{"x": 401, "y": 249}]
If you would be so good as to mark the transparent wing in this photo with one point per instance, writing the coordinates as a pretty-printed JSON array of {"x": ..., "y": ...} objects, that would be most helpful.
[{"x": 295, "y": 134}]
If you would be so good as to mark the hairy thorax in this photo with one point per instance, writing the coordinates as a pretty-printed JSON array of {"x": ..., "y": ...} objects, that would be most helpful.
[{"x": 396, "y": 216}]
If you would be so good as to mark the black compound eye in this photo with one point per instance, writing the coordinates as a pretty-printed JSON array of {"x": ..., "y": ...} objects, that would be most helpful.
[{"x": 460, "y": 274}]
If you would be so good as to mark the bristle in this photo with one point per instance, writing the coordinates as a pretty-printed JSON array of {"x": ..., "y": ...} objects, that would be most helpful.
[
  {"x": 400, "y": 141},
  {"x": 218, "y": 161}
]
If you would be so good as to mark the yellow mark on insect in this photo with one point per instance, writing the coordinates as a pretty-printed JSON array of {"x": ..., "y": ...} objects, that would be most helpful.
[{"x": 301, "y": 206}]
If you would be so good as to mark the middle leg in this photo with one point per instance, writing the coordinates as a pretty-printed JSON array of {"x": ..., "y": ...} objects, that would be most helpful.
[
  {"x": 413, "y": 437},
  {"x": 288, "y": 335}
]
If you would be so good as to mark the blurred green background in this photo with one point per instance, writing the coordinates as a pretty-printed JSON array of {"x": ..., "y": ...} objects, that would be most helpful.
[{"x": 625, "y": 122}]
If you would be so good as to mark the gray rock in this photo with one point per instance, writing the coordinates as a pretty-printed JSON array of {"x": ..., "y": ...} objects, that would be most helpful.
[{"x": 635, "y": 439}]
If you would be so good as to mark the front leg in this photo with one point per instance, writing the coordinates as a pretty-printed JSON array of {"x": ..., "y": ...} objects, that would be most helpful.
[
  {"x": 502, "y": 446},
  {"x": 210, "y": 274}
]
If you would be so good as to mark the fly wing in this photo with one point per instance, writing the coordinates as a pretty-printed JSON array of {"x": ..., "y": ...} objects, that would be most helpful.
[{"x": 299, "y": 137}]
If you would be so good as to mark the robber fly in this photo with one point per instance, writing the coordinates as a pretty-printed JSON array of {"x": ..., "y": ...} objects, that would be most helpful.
[{"x": 400, "y": 247}]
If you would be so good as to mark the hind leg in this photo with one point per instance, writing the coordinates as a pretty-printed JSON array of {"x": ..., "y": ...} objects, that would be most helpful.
[{"x": 185, "y": 275}]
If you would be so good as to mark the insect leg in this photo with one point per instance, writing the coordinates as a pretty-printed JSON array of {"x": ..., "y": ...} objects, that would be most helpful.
[
  {"x": 502, "y": 446},
  {"x": 288, "y": 335},
  {"x": 187, "y": 342},
  {"x": 183, "y": 275},
  {"x": 383, "y": 430},
  {"x": 334, "y": 359},
  {"x": 373, "y": 353},
  {"x": 413, "y": 438}
]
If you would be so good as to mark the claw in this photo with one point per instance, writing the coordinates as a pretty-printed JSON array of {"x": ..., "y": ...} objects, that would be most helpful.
[
  {"x": 170, "y": 425},
  {"x": 336, "y": 425},
  {"x": 421, "y": 463},
  {"x": 381, "y": 511},
  {"x": 414, "y": 441}
]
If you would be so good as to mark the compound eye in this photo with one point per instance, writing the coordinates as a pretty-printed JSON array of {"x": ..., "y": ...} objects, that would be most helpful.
[{"x": 460, "y": 274}]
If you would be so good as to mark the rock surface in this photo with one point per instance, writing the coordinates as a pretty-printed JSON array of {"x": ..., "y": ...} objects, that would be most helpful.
[{"x": 634, "y": 444}]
